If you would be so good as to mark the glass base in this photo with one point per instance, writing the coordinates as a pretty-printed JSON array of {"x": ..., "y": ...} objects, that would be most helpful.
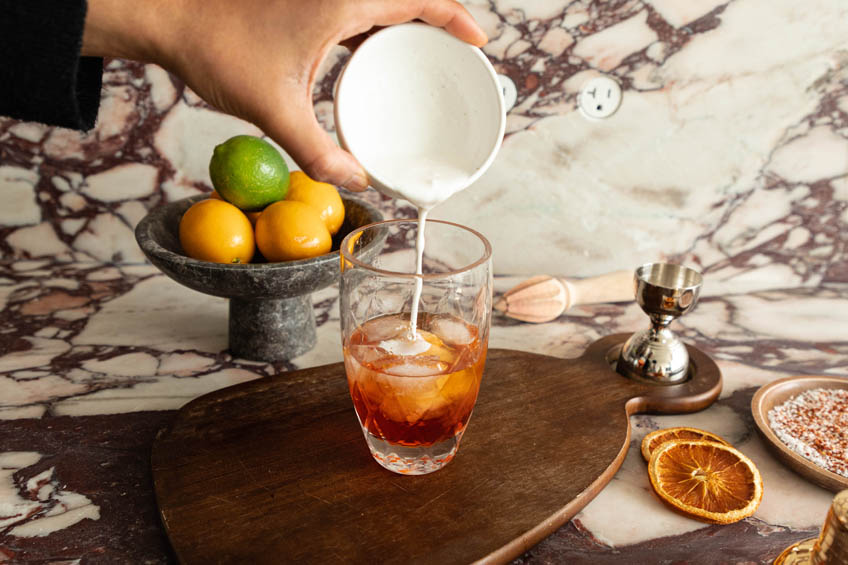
[{"x": 412, "y": 460}]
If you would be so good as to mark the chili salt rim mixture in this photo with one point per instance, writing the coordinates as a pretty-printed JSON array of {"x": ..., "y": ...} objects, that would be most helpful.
[{"x": 814, "y": 424}]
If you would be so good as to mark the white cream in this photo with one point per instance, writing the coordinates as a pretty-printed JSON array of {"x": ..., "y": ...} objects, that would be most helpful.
[
  {"x": 419, "y": 270},
  {"x": 425, "y": 183}
]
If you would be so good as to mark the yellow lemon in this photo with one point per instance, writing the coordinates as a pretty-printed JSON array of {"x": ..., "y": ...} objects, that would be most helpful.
[
  {"x": 321, "y": 196},
  {"x": 252, "y": 216},
  {"x": 289, "y": 230},
  {"x": 216, "y": 231}
]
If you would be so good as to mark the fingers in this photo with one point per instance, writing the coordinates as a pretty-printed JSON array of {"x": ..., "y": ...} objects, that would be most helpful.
[
  {"x": 297, "y": 129},
  {"x": 299, "y": 132},
  {"x": 353, "y": 43},
  {"x": 455, "y": 19},
  {"x": 447, "y": 14}
]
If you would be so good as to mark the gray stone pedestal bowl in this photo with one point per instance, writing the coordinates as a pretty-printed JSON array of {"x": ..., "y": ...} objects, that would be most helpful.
[{"x": 271, "y": 316}]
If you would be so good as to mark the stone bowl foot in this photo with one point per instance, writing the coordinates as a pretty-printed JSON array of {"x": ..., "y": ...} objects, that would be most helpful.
[{"x": 271, "y": 329}]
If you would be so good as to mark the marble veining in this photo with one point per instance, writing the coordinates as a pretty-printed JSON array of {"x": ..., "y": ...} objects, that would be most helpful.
[
  {"x": 41, "y": 506},
  {"x": 730, "y": 149}
]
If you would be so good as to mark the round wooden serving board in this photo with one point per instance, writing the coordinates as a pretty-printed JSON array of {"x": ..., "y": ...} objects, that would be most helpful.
[{"x": 277, "y": 471}]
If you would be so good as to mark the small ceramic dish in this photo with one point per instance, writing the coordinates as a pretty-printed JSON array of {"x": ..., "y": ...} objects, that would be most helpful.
[
  {"x": 778, "y": 392},
  {"x": 415, "y": 91}
]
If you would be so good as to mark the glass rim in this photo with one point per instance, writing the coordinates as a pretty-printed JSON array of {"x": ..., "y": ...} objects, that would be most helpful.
[{"x": 346, "y": 256}]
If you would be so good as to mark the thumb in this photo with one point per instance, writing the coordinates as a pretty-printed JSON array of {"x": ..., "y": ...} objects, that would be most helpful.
[{"x": 299, "y": 133}]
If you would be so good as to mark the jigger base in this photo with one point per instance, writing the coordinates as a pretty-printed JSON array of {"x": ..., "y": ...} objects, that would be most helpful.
[
  {"x": 654, "y": 354},
  {"x": 640, "y": 370},
  {"x": 701, "y": 368},
  {"x": 666, "y": 380}
]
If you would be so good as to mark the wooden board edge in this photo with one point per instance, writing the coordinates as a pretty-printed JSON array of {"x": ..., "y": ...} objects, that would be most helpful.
[
  {"x": 703, "y": 399},
  {"x": 638, "y": 404},
  {"x": 154, "y": 456},
  {"x": 523, "y": 543}
]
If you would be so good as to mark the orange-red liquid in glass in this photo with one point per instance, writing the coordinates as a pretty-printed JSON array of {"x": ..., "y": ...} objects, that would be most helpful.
[{"x": 414, "y": 400}]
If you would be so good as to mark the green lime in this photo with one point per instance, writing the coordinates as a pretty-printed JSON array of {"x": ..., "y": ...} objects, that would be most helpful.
[{"x": 249, "y": 172}]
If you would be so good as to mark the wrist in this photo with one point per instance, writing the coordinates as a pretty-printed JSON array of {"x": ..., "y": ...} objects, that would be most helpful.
[{"x": 140, "y": 31}]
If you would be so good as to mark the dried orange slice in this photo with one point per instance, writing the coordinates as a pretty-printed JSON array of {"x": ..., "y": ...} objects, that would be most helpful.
[
  {"x": 708, "y": 481},
  {"x": 656, "y": 438}
]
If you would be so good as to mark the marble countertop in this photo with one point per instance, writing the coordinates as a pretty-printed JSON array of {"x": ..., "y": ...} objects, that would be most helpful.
[{"x": 98, "y": 357}]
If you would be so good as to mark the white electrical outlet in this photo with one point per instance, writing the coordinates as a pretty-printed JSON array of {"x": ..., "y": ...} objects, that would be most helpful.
[
  {"x": 510, "y": 93},
  {"x": 599, "y": 98}
]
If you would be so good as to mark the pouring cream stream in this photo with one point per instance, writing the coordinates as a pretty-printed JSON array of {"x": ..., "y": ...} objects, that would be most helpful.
[{"x": 425, "y": 183}]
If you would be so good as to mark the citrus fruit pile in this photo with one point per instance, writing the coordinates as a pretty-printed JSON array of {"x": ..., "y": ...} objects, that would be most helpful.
[
  {"x": 701, "y": 475},
  {"x": 257, "y": 203}
]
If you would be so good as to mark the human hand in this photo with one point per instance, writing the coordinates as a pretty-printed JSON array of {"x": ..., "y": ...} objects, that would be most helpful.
[{"x": 257, "y": 59}]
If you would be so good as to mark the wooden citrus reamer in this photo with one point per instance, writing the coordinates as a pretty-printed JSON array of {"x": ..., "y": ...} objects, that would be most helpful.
[{"x": 544, "y": 298}]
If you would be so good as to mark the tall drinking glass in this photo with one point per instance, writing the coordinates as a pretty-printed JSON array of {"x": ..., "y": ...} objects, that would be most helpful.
[{"x": 414, "y": 388}]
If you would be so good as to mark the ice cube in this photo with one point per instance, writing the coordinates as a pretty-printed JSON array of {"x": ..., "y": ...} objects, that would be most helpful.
[
  {"x": 452, "y": 331},
  {"x": 384, "y": 327},
  {"x": 417, "y": 367},
  {"x": 392, "y": 409},
  {"x": 366, "y": 354},
  {"x": 463, "y": 360},
  {"x": 456, "y": 386},
  {"x": 410, "y": 408},
  {"x": 417, "y": 395},
  {"x": 406, "y": 345}
]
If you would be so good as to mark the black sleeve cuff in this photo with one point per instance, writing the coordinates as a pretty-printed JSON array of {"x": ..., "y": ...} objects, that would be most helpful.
[{"x": 42, "y": 76}]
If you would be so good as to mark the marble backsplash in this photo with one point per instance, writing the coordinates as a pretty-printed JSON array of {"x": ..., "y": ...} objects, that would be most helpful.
[{"x": 729, "y": 151}]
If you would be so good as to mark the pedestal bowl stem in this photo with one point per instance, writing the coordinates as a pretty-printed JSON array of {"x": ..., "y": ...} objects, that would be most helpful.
[{"x": 272, "y": 329}]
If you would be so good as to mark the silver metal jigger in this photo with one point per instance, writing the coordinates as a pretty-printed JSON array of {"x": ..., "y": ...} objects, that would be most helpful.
[{"x": 664, "y": 291}]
